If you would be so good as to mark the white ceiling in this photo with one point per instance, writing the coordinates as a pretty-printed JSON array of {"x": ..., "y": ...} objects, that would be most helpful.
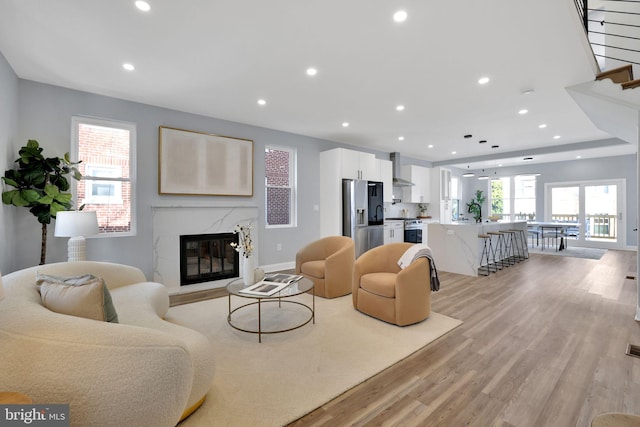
[{"x": 217, "y": 58}]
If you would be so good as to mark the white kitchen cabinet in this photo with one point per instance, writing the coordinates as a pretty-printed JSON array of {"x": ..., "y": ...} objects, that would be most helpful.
[
  {"x": 359, "y": 165},
  {"x": 425, "y": 232},
  {"x": 339, "y": 164},
  {"x": 393, "y": 231},
  {"x": 420, "y": 192}
]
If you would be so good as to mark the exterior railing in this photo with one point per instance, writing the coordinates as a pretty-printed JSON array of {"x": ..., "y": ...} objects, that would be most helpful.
[{"x": 598, "y": 226}]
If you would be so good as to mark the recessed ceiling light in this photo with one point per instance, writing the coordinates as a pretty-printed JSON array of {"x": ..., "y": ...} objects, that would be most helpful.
[
  {"x": 527, "y": 159},
  {"x": 483, "y": 177},
  {"x": 482, "y": 141},
  {"x": 311, "y": 71},
  {"x": 430, "y": 146},
  {"x": 523, "y": 111},
  {"x": 345, "y": 124},
  {"x": 262, "y": 102},
  {"x": 468, "y": 135},
  {"x": 400, "y": 108},
  {"x": 542, "y": 125},
  {"x": 500, "y": 165},
  {"x": 468, "y": 174},
  {"x": 128, "y": 67},
  {"x": 556, "y": 137},
  {"x": 401, "y": 138},
  {"x": 400, "y": 16},
  {"x": 578, "y": 157},
  {"x": 483, "y": 80},
  {"x": 143, "y": 6},
  {"x": 495, "y": 146},
  {"x": 453, "y": 152},
  {"x": 527, "y": 92}
]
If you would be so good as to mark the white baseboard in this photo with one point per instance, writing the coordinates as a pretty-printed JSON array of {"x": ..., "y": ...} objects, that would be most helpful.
[{"x": 277, "y": 267}]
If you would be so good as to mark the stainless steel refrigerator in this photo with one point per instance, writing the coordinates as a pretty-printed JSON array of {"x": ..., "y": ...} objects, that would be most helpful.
[{"x": 363, "y": 213}]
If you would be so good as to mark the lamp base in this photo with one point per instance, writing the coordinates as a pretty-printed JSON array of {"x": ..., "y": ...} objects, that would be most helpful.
[{"x": 77, "y": 249}]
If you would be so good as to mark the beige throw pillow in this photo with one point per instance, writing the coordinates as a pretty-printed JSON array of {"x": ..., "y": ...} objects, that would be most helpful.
[{"x": 83, "y": 296}]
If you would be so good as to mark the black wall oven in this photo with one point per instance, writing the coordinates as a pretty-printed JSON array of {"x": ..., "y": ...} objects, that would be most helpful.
[{"x": 413, "y": 230}]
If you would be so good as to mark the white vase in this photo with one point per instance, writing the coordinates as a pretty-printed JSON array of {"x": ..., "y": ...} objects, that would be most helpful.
[{"x": 248, "y": 270}]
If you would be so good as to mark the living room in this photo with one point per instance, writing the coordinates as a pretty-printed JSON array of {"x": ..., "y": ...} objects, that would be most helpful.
[{"x": 38, "y": 110}]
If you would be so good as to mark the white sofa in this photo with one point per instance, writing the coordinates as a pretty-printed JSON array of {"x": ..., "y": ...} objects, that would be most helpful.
[{"x": 142, "y": 371}]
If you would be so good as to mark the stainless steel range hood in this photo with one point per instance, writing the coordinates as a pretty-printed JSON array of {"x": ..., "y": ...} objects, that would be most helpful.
[{"x": 398, "y": 181}]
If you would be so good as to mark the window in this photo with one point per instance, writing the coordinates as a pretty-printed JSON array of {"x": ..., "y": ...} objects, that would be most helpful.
[
  {"x": 455, "y": 187},
  {"x": 524, "y": 198},
  {"x": 102, "y": 192},
  {"x": 280, "y": 186},
  {"x": 106, "y": 149},
  {"x": 514, "y": 198},
  {"x": 501, "y": 197}
]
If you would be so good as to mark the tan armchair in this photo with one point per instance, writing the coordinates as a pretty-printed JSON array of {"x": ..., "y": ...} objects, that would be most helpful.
[
  {"x": 328, "y": 262},
  {"x": 384, "y": 291}
]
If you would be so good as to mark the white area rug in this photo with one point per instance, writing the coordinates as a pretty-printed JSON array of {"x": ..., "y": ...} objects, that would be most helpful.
[
  {"x": 571, "y": 251},
  {"x": 290, "y": 374}
]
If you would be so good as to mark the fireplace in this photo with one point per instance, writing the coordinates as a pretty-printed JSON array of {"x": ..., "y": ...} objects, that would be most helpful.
[{"x": 207, "y": 257}]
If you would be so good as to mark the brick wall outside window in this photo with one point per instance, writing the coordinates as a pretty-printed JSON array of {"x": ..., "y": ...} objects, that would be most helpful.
[
  {"x": 108, "y": 148},
  {"x": 279, "y": 185}
]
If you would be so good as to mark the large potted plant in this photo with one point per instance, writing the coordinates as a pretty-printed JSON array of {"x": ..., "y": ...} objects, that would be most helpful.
[{"x": 40, "y": 184}]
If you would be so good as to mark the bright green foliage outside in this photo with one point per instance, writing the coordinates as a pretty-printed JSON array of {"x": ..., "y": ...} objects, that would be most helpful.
[{"x": 497, "y": 200}]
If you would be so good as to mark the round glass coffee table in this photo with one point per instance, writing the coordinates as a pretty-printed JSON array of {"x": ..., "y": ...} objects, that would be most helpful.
[{"x": 282, "y": 297}]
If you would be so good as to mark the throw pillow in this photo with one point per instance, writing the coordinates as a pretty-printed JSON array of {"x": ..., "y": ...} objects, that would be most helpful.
[{"x": 83, "y": 296}]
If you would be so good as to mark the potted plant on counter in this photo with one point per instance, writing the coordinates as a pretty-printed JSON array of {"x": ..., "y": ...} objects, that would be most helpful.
[{"x": 475, "y": 206}]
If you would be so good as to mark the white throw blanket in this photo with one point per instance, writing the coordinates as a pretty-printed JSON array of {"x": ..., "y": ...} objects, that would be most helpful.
[{"x": 419, "y": 251}]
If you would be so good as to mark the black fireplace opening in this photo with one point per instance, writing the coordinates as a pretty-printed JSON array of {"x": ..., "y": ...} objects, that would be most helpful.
[{"x": 208, "y": 257}]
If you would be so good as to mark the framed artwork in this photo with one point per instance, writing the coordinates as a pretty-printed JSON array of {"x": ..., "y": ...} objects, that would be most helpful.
[{"x": 203, "y": 164}]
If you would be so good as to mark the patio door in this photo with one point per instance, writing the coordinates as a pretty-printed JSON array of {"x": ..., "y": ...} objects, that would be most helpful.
[{"x": 598, "y": 206}]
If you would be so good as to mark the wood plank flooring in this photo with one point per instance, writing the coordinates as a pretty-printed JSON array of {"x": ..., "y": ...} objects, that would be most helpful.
[{"x": 543, "y": 344}]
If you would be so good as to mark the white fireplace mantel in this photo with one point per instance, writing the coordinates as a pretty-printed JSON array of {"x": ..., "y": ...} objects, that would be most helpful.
[{"x": 171, "y": 222}]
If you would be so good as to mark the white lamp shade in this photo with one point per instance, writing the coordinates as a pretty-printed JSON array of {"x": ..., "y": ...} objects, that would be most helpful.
[{"x": 76, "y": 223}]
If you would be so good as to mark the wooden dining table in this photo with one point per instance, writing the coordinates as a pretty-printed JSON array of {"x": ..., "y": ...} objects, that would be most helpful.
[{"x": 557, "y": 227}]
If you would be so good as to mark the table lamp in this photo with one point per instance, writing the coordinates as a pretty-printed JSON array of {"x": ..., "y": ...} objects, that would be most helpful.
[{"x": 76, "y": 225}]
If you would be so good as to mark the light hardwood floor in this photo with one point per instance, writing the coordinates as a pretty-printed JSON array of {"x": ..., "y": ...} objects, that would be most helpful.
[{"x": 543, "y": 344}]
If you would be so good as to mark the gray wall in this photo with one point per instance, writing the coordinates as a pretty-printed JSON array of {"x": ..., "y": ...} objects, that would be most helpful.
[
  {"x": 618, "y": 167},
  {"x": 45, "y": 114},
  {"x": 8, "y": 130}
]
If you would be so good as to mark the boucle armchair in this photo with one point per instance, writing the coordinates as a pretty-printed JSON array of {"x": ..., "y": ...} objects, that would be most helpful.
[
  {"x": 142, "y": 371},
  {"x": 384, "y": 291},
  {"x": 328, "y": 262}
]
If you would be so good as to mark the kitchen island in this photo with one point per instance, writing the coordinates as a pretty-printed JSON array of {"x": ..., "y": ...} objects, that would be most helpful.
[{"x": 456, "y": 247}]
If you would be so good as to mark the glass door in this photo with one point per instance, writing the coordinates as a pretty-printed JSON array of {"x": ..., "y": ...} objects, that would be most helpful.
[
  {"x": 602, "y": 214},
  {"x": 597, "y": 206}
]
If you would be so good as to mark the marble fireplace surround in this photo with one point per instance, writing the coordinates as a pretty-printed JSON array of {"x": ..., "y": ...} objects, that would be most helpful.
[{"x": 170, "y": 222}]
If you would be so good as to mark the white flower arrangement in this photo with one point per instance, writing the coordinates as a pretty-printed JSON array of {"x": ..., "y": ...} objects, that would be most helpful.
[{"x": 244, "y": 246}]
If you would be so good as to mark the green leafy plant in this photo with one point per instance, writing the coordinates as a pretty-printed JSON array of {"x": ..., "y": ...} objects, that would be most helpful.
[
  {"x": 475, "y": 206},
  {"x": 40, "y": 184}
]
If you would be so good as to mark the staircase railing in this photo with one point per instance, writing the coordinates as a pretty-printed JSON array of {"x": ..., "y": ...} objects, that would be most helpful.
[{"x": 612, "y": 29}]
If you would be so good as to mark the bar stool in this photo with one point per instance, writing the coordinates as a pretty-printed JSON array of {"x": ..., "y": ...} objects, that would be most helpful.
[
  {"x": 524, "y": 244},
  {"x": 498, "y": 253},
  {"x": 509, "y": 249},
  {"x": 487, "y": 249}
]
